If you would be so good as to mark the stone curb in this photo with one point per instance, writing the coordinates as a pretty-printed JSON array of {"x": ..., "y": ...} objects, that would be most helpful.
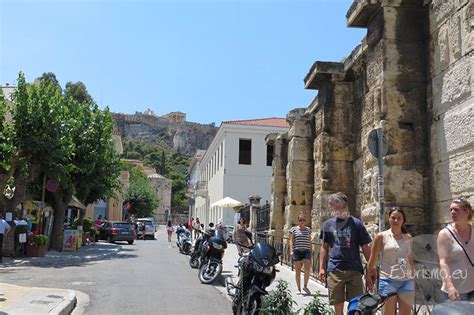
[{"x": 66, "y": 306}]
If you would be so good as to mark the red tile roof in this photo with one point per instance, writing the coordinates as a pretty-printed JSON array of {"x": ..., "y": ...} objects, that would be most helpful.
[{"x": 267, "y": 122}]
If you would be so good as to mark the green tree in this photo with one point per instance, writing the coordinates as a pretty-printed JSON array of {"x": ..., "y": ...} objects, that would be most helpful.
[
  {"x": 140, "y": 195},
  {"x": 78, "y": 91},
  {"x": 58, "y": 138},
  {"x": 49, "y": 78}
]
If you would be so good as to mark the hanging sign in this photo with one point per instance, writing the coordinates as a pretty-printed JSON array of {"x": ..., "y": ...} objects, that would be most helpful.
[{"x": 52, "y": 185}]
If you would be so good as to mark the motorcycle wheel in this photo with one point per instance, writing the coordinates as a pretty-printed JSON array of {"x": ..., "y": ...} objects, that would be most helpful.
[
  {"x": 209, "y": 272},
  {"x": 253, "y": 307},
  {"x": 194, "y": 261},
  {"x": 186, "y": 249}
]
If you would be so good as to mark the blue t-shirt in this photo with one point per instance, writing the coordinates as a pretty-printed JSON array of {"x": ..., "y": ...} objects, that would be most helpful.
[{"x": 345, "y": 238}]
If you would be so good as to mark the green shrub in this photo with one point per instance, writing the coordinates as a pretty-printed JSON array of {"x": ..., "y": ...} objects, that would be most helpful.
[
  {"x": 39, "y": 240},
  {"x": 318, "y": 306},
  {"x": 87, "y": 225},
  {"x": 279, "y": 301}
]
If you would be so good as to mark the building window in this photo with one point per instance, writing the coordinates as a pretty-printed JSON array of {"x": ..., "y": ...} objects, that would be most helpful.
[
  {"x": 269, "y": 154},
  {"x": 245, "y": 151}
]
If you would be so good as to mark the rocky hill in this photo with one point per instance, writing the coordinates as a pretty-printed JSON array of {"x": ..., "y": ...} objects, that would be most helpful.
[{"x": 185, "y": 137}]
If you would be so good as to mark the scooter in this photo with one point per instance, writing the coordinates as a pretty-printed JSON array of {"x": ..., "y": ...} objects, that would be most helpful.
[{"x": 184, "y": 240}]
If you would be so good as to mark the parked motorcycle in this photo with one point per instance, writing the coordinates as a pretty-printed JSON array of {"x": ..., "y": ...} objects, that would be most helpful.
[
  {"x": 184, "y": 240},
  {"x": 256, "y": 272},
  {"x": 199, "y": 248},
  {"x": 210, "y": 262}
]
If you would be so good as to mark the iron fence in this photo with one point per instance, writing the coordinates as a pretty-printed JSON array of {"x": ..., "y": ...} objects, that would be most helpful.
[{"x": 263, "y": 218}]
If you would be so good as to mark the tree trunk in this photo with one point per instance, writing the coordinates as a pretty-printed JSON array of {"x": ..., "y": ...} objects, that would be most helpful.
[{"x": 59, "y": 201}]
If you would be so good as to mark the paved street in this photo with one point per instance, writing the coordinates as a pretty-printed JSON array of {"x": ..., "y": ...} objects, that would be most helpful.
[{"x": 149, "y": 277}]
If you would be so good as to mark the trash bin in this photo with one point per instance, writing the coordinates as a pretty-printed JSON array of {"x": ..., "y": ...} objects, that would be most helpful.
[{"x": 21, "y": 231}]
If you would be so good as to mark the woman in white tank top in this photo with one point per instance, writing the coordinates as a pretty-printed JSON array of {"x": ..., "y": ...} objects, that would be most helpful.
[
  {"x": 393, "y": 248},
  {"x": 456, "y": 253}
]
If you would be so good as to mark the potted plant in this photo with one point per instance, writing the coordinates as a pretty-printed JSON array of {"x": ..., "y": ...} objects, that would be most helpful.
[{"x": 37, "y": 246}]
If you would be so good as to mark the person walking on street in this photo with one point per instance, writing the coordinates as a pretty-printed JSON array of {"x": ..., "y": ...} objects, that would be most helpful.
[
  {"x": 456, "y": 253},
  {"x": 190, "y": 226},
  {"x": 344, "y": 234},
  {"x": 300, "y": 251},
  {"x": 197, "y": 228},
  {"x": 169, "y": 230},
  {"x": 241, "y": 236},
  {"x": 394, "y": 246},
  {"x": 5, "y": 229}
]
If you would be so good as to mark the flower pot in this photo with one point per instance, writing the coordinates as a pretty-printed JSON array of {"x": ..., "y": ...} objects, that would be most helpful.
[{"x": 35, "y": 251}]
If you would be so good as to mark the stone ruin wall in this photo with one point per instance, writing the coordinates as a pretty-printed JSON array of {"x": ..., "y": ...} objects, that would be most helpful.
[{"x": 406, "y": 77}]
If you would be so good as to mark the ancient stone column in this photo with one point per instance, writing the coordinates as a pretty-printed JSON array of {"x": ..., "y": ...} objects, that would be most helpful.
[
  {"x": 254, "y": 206},
  {"x": 279, "y": 192},
  {"x": 395, "y": 101},
  {"x": 299, "y": 170},
  {"x": 333, "y": 142}
]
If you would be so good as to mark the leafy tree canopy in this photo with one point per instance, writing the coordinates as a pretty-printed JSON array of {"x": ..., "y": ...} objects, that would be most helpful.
[
  {"x": 78, "y": 91},
  {"x": 140, "y": 195}
]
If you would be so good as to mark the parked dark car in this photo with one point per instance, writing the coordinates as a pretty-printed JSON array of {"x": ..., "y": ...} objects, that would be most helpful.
[{"x": 112, "y": 231}]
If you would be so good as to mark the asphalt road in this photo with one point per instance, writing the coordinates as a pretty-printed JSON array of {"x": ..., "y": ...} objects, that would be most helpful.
[{"x": 148, "y": 277}]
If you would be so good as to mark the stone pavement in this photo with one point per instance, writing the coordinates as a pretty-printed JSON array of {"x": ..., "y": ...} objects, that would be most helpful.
[
  {"x": 30, "y": 300},
  {"x": 231, "y": 257},
  {"x": 33, "y": 300}
]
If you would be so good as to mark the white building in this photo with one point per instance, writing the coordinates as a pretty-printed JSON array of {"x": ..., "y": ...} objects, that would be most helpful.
[{"x": 237, "y": 164}]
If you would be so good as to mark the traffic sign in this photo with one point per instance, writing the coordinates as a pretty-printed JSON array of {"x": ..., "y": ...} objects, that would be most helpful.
[{"x": 372, "y": 142}]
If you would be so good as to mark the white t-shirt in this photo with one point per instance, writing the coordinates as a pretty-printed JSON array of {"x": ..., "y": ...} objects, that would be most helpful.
[{"x": 4, "y": 226}]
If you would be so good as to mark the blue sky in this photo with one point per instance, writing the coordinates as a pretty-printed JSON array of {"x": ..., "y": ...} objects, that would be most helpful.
[{"x": 215, "y": 60}]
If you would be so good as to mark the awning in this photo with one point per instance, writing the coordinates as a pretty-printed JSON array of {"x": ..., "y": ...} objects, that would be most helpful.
[{"x": 75, "y": 203}]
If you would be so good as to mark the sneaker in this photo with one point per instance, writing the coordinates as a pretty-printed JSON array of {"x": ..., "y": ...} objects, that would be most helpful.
[{"x": 307, "y": 291}]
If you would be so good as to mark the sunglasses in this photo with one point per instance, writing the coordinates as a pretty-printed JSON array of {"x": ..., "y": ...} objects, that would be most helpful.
[
  {"x": 301, "y": 220},
  {"x": 462, "y": 199}
]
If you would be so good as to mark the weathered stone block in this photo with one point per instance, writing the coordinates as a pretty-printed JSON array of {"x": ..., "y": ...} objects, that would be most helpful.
[
  {"x": 334, "y": 148},
  {"x": 405, "y": 103},
  {"x": 300, "y": 171},
  {"x": 300, "y": 193},
  {"x": 467, "y": 29},
  {"x": 300, "y": 127},
  {"x": 439, "y": 46},
  {"x": 454, "y": 177},
  {"x": 449, "y": 134},
  {"x": 375, "y": 67},
  {"x": 279, "y": 167},
  {"x": 403, "y": 186},
  {"x": 301, "y": 149},
  {"x": 453, "y": 86},
  {"x": 278, "y": 184}
]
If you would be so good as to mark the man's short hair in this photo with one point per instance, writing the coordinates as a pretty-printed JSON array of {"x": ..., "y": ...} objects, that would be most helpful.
[{"x": 339, "y": 198}]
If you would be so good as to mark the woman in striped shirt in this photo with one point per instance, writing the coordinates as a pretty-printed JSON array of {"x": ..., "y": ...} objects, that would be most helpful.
[{"x": 300, "y": 251}]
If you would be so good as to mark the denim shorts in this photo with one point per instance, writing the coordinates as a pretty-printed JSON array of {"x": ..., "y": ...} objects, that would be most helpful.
[
  {"x": 387, "y": 286},
  {"x": 299, "y": 255}
]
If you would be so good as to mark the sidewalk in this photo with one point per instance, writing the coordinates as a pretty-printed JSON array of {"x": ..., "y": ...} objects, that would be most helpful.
[
  {"x": 30, "y": 300},
  {"x": 231, "y": 257},
  {"x": 34, "y": 300}
]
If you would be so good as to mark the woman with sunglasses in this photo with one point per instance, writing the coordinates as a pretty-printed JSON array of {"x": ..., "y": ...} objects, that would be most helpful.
[
  {"x": 300, "y": 251},
  {"x": 394, "y": 250},
  {"x": 456, "y": 253}
]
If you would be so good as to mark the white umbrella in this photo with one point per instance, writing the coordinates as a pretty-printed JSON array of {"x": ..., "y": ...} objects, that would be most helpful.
[{"x": 227, "y": 202}]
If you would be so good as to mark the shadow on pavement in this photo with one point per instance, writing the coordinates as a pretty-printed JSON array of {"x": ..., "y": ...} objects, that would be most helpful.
[{"x": 88, "y": 254}]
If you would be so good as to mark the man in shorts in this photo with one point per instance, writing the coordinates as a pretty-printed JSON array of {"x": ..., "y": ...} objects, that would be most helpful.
[{"x": 343, "y": 235}]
